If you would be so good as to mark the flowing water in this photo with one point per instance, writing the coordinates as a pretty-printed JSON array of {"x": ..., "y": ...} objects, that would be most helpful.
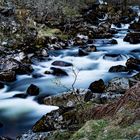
[{"x": 18, "y": 115}]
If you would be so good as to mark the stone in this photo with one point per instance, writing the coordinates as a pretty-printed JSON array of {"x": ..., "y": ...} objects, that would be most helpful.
[
  {"x": 62, "y": 64},
  {"x": 82, "y": 52},
  {"x": 1, "y": 85},
  {"x": 118, "y": 85},
  {"x": 133, "y": 64},
  {"x": 97, "y": 86},
  {"x": 33, "y": 90},
  {"x": 7, "y": 76},
  {"x": 118, "y": 68},
  {"x": 20, "y": 96},
  {"x": 58, "y": 72}
]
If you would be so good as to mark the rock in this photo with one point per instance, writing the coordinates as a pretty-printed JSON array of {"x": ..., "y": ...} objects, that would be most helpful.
[
  {"x": 114, "y": 57},
  {"x": 91, "y": 48},
  {"x": 20, "y": 96},
  {"x": 97, "y": 86},
  {"x": 88, "y": 96},
  {"x": 113, "y": 41},
  {"x": 33, "y": 90},
  {"x": 79, "y": 42},
  {"x": 135, "y": 26},
  {"x": 132, "y": 37},
  {"x": 37, "y": 75},
  {"x": 118, "y": 85},
  {"x": 47, "y": 72},
  {"x": 1, "y": 125},
  {"x": 1, "y": 85},
  {"x": 118, "y": 68},
  {"x": 133, "y": 64},
  {"x": 7, "y": 76},
  {"x": 14, "y": 65},
  {"x": 82, "y": 53},
  {"x": 62, "y": 64},
  {"x": 58, "y": 72},
  {"x": 5, "y": 138}
]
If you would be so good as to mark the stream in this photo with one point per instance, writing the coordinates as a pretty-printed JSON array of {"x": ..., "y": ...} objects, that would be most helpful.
[{"x": 19, "y": 115}]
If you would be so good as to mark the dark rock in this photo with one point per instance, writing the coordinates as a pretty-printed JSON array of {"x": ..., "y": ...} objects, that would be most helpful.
[
  {"x": 115, "y": 57},
  {"x": 1, "y": 125},
  {"x": 91, "y": 48},
  {"x": 133, "y": 37},
  {"x": 6, "y": 11},
  {"x": 79, "y": 42},
  {"x": 7, "y": 76},
  {"x": 1, "y": 85},
  {"x": 97, "y": 86},
  {"x": 133, "y": 64},
  {"x": 135, "y": 26},
  {"x": 82, "y": 52},
  {"x": 20, "y": 96},
  {"x": 37, "y": 75},
  {"x": 88, "y": 96},
  {"x": 33, "y": 90},
  {"x": 58, "y": 72},
  {"x": 47, "y": 72},
  {"x": 118, "y": 68},
  {"x": 113, "y": 41},
  {"x": 5, "y": 138},
  {"x": 61, "y": 63}
]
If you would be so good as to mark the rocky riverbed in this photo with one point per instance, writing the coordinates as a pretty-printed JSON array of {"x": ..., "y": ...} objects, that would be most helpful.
[{"x": 82, "y": 77}]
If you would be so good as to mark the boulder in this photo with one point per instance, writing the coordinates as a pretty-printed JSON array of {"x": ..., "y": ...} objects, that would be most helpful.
[
  {"x": 135, "y": 26},
  {"x": 7, "y": 76},
  {"x": 133, "y": 64},
  {"x": 20, "y": 96},
  {"x": 33, "y": 90},
  {"x": 132, "y": 37},
  {"x": 118, "y": 85},
  {"x": 118, "y": 68},
  {"x": 82, "y": 52},
  {"x": 91, "y": 48},
  {"x": 97, "y": 86},
  {"x": 114, "y": 57},
  {"x": 58, "y": 72},
  {"x": 62, "y": 64},
  {"x": 1, "y": 85}
]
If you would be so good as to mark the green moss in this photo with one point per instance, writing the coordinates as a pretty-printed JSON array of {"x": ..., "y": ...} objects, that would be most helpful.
[
  {"x": 90, "y": 130},
  {"x": 115, "y": 132}
]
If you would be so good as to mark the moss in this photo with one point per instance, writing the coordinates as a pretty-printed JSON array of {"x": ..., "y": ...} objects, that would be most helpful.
[
  {"x": 90, "y": 130},
  {"x": 115, "y": 132}
]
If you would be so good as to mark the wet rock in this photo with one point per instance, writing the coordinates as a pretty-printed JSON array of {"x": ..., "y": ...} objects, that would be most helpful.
[
  {"x": 97, "y": 86},
  {"x": 14, "y": 65},
  {"x": 135, "y": 26},
  {"x": 1, "y": 125},
  {"x": 7, "y": 76},
  {"x": 20, "y": 96},
  {"x": 114, "y": 57},
  {"x": 113, "y": 41},
  {"x": 33, "y": 90},
  {"x": 48, "y": 72},
  {"x": 5, "y": 138},
  {"x": 133, "y": 37},
  {"x": 1, "y": 85},
  {"x": 58, "y": 72},
  {"x": 82, "y": 52},
  {"x": 62, "y": 64},
  {"x": 133, "y": 64},
  {"x": 91, "y": 48},
  {"x": 79, "y": 42},
  {"x": 37, "y": 75},
  {"x": 118, "y": 68},
  {"x": 118, "y": 85}
]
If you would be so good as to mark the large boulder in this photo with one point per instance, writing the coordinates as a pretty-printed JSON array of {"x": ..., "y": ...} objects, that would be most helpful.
[
  {"x": 7, "y": 76},
  {"x": 14, "y": 65},
  {"x": 133, "y": 37},
  {"x": 133, "y": 64},
  {"x": 58, "y": 72},
  {"x": 135, "y": 26},
  {"x": 118, "y": 85},
  {"x": 33, "y": 90},
  {"x": 118, "y": 68},
  {"x": 97, "y": 86}
]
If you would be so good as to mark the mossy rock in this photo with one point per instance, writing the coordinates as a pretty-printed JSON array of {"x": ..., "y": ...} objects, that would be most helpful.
[{"x": 90, "y": 130}]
